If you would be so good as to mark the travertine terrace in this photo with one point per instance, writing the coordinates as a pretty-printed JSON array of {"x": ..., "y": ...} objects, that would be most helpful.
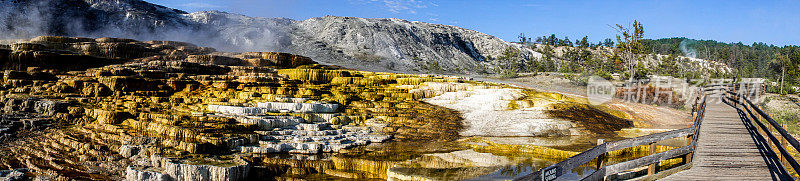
[{"x": 111, "y": 108}]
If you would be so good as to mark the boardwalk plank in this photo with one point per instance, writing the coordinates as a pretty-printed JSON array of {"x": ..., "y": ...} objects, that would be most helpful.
[{"x": 725, "y": 149}]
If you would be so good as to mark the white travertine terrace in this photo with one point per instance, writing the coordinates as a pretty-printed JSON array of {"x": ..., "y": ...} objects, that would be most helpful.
[{"x": 486, "y": 112}]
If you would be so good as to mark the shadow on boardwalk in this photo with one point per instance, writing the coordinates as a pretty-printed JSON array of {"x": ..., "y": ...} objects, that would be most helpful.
[
  {"x": 728, "y": 148},
  {"x": 771, "y": 159}
]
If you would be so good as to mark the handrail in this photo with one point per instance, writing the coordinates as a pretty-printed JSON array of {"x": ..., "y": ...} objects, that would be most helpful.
[
  {"x": 714, "y": 85},
  {"x": 784, "y": 134},
  {"x": 561, "y": 168},
  {"x": 701, "y": 113},
  {"x": 780, "y": 129},
  {"x": 646, "y": 139},
  {"x": 573, "y": 162}
]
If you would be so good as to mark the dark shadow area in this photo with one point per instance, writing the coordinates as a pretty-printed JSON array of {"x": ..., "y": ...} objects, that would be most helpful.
[{"x": 777, "y": 171}]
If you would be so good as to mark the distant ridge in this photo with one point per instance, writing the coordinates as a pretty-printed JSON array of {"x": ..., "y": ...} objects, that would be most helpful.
[{"x": 372, "y": 44}]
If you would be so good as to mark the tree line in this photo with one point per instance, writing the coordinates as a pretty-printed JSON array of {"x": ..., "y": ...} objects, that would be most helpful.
[
  {"x": 780, "y": 64},
  {"x": 552, "y": 40}
]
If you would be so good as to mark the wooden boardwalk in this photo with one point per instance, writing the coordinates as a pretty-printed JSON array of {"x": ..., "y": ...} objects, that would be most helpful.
[{"x": 726, "y": 149}]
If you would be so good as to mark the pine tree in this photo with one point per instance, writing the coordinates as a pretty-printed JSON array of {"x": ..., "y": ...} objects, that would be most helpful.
[
  {"x": 629, "y": 45},
  {"x": 584, "y": 42},
  {"x": 608, "y": 42}
]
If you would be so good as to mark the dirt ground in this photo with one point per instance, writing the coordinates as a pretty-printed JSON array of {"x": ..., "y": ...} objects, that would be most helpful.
[
  {"x": 653, "y": 117},
  {"x": 646, "y": 117},
  {"x": 785, "y": 109},
  {"x": 544, "y": 82}
]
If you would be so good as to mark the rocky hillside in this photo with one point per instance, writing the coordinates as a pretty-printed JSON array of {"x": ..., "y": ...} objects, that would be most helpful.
[
  {"x": 393, "y": 45},
  {"x": 400, "y": 43},
  {"x": 372, "y": 44}
]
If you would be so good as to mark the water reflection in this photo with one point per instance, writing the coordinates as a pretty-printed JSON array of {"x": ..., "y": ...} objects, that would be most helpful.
[
  {"x": 493, "y": 158},
  {"x": 476, "y": 158}
]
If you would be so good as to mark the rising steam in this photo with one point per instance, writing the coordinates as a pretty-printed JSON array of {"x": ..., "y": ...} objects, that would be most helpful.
[
  {"x": 688, "y": 51},
  {"x": 141, "y": 21},
  {"x": 21, "y": 21}
]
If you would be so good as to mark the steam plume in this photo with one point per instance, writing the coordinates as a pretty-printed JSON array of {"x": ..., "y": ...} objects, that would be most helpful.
[
  {"x": 688, "y": 51},
  {"x": 142, "y": 21}
]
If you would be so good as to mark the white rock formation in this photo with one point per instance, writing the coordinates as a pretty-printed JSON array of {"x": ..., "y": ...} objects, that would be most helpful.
[
  {"x": 486, "y": 113},
  {"x": 314, "y": 138},
  {"x": 188, "y": 172},
  {"x": 267, "y": 107},
  {"x": 157, "y": 168},
  {"x": 473, "y": 158},
  {"x": 269, "y": 122},
  {"x": 132, "y": 174},
  {"x": 236, "y": 110},
  {"x": 298, "y": 107}
]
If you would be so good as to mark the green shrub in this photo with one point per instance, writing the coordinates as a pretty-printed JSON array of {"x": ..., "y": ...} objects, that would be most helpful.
[{"x": 508, "y": 73}]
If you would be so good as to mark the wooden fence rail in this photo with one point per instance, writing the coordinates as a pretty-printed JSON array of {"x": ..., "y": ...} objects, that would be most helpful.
[
  {"x": 556, "y": 171},
  {"x": 780, "y": 142}
]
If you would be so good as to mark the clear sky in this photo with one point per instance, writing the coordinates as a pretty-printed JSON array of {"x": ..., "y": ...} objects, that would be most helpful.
[{"x": 771, "y": 22}]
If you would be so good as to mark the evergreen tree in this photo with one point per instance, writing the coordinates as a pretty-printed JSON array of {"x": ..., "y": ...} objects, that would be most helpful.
[
  {"x": 584, "y": 42},
  {"x": 629, "y": 46},
  {"x": 523, "y": 39},
  {"x": 608, "y": 42}
]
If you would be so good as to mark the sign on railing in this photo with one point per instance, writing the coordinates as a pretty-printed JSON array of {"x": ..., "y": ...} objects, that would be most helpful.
[{"x": 550, "y": 173}]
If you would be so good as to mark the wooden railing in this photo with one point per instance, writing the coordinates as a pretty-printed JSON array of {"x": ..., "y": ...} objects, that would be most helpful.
[
  {"x": 781, "y": 142},
  {"x": 559, "y": 170}
]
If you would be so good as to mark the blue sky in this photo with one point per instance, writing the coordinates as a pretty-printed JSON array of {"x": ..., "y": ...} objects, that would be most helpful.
[{"x": 772, "y": 22}]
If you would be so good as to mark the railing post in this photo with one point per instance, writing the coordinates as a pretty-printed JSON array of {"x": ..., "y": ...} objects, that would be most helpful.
[
  {"x": 760, "y": 131},
  {"x": 783, "y": 144},
  {"x": 602, "y": 158},
  {"x": 651, "y": 169},
  {"x": 688, "y": 157},
  {"x": 770, "y": 130},
  {"x": 754, "y": 123},
  {"x": 695, "y": 113},
  {"x": 696, "y": 106},
  {"x": 689, "y": 138}
]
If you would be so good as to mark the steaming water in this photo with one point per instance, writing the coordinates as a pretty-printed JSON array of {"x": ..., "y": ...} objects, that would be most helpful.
[
  {"x": 686, "y": 50},
  {"x": 135, "y": 20}
]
